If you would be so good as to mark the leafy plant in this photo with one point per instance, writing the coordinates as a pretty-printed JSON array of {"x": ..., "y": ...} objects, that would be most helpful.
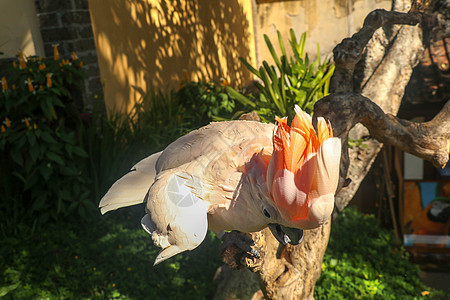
[
  {"x": 362, "y": 261},
  {"x": 39, "y": 156},
  {"x": 292, "y": 80},
  {"x": 203, "y": 102}
]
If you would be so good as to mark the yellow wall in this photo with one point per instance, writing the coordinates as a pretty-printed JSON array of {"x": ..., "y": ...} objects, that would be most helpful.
[
  {"x": 19, "y": 28},
  {"x": 325, "y": 22},
  {"x": 145, "y": 43},
  {"x": 150, "y": 43}
]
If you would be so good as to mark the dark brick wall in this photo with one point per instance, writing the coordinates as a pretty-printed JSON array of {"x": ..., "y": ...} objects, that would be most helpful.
[{"x": 68, "y": 23}]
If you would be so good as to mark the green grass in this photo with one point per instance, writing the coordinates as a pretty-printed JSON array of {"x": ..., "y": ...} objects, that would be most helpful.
[
  {"x": 111, "y": 258},
  {"x": 362, "y": 261}
]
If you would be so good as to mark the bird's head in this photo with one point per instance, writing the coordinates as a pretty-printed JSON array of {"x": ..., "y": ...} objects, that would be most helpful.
[{"x": 303, "y": 172}]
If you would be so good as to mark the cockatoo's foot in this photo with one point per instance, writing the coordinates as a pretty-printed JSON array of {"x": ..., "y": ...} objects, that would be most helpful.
[{"x": 237, "y": 251}]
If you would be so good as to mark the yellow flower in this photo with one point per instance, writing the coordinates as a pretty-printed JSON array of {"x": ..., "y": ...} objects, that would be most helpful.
[
  {"x": 55, "y": 51},
  {"x": 224, "y": 82},
  {"x": 4, "y": 84},
  {"x": 7, "y": 123},
  {"x": 76, "y": 256},
  {"x": 14, "y": 65},
  {"x": 22, "y": 63},
  {"x": 425, "y": 293},
  {"x": 49, "y": 79},
  {"x": 35, "y": 127},
  {"x": 94, "y": 269},
  {"x": 30, "y": 85},
  {"x": 128, "y": 269},
  {"x": 120, "y": 246},
  {"x": 3, "y": 129}
]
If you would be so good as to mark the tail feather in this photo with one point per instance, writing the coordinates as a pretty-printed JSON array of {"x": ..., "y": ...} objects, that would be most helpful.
[{"x": 132, "y": 187}]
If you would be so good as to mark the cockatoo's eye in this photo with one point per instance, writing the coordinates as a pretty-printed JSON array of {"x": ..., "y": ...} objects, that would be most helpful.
[{"x": 266, "y": 213}]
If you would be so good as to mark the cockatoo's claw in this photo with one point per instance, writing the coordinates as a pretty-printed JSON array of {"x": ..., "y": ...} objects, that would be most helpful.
[
  {"x": 237, "y": 251},
  {"x": 255, "y": 253},
  {"x": 241, "y": 241}
]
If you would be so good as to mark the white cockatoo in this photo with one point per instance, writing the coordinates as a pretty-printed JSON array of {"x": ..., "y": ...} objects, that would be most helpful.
[{"x": 234, "y": 175}]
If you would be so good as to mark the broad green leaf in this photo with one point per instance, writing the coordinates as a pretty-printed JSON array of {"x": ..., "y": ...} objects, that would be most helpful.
[
  {"x": 272, "y": 51},
  {"x": 239, "y": 97},
  {"x": 55, "y": 157}
]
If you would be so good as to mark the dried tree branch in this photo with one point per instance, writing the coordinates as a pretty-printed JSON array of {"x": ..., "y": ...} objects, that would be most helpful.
[
  {"x": 427, "y": 140},
  {"x": 349, "y": 52}
]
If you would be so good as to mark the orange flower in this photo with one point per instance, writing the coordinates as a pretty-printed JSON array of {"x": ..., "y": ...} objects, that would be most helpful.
[
  {"x": 30, "y": 85},
  {"x": 7, "y": 123},
  {"x": 55, "y": 51},
  {"x": 425, "y": 293},
  {"x": 14, "y": 65},
  {"x": 49, "y": 79},
  {"x": 13, "y": 86},
  {"x": 4, "y": 84},
  {"x": 22, "y": 63},
  {"x": 3, "y": 129},
  {"x": 74, "y": 56},
  {"x": 42, "y": 66},
  {"x": 224, "y": 82},
  {"x": 27, "y": 122}
]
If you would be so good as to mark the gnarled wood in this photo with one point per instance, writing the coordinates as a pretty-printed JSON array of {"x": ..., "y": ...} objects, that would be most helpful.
[{"x": 426, "y": 140}]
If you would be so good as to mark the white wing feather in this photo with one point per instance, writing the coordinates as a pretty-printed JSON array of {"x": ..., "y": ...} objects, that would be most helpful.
[{"x": 132, "y": 187}]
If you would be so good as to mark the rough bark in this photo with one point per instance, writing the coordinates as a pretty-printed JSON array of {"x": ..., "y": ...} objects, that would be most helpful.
[{"x": 291, "y": 272}]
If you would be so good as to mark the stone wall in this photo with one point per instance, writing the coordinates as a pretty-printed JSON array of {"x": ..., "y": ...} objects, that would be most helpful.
[{"x": 68, "y": 23}]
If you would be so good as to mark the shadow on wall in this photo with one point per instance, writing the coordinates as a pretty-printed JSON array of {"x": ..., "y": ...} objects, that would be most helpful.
[{"x": 141, "y": 44}]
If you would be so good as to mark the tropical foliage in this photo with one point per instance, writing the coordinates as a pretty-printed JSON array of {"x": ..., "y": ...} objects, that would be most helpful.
[{"x": 292, "y": 80}]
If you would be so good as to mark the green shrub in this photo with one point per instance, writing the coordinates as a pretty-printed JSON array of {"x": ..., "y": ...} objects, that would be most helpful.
[
  {"x": 362, "y": 261},
  {"x": 291, "y": 81},
  {"x": 40, "y": 161},
  {"x": 203, "y": 102}
]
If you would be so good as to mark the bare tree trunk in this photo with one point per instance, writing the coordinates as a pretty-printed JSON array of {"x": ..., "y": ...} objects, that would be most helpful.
[{"x": 290, "y": 272}]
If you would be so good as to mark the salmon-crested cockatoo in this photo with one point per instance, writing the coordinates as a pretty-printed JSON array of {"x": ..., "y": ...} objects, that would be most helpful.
[{"x": 234, "y": 175}]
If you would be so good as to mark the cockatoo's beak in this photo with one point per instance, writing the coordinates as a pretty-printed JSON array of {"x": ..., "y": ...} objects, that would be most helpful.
[
  {"x": 286, "y": 235},
  {"x": 303, "y": 172}
]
